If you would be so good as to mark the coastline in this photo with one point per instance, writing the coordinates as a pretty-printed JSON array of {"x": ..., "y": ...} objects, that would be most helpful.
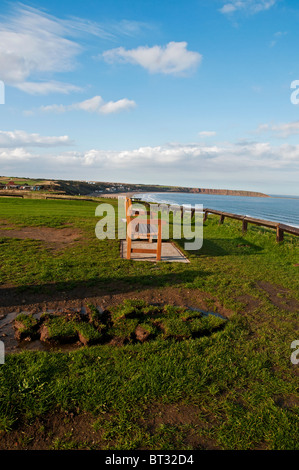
[
  {"x": 264, "y": 209},
  {"x": 135, "y": 193}
]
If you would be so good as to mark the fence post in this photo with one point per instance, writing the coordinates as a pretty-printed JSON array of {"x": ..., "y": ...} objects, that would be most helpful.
[
  {"x": 221, "y": 219},
  {"x": 244, "y": 226},
  {"x": 279, "y": 234}
]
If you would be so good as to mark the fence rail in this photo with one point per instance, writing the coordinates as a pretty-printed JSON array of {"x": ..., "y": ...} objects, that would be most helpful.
[{"x": 280, "y": 228}]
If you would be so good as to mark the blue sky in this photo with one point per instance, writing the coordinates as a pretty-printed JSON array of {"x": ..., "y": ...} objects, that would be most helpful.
[{"x": 194, "y": 93}]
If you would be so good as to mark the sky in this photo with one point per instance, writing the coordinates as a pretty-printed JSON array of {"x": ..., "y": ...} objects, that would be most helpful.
[{"x": 197, "y": 93}]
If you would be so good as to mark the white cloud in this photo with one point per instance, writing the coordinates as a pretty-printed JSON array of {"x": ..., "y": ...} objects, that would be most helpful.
[
  {"x": 248, "y": 6},
  {"x": 15, "y": 155},
  {"x": 117, "y": 106},
  {"x": 207, "y": 133},
  {"x": 228, "y": 8},
  {"x": 174, "y": 58},
  {"x": 92, "y": 105},
  {"x": 223, "y": 157},
  {"x": 9, "y": 139},
  {"x": 282, "y": 130},
  {"x": 227, "y": 156},
  {"x": 44, "y": 88},
  {"x": 51, "y": 108},
  {"x": 240, "y": 165},
  {"x": 277, "y": 36},
  {"x": 34, "y": 44}
]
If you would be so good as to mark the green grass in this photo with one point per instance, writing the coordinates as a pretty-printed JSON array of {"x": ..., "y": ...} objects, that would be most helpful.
[
  {"x": 27, "y": 320},
  {"x": 89, "y": 332},
  {"x": 166, "y": 321},
  {"x": 225, "y": 375},
  {"x": 27, "y": 326},
  {"x": 239, "y": 377},
  {"x": 60, "y": 329}
]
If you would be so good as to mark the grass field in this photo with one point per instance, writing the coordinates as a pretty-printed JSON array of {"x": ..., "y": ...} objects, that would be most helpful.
[{"x": 235, "y": 388}]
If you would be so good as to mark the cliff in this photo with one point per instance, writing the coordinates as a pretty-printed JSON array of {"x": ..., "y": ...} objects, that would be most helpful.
[{"x": 228, "y": 192}]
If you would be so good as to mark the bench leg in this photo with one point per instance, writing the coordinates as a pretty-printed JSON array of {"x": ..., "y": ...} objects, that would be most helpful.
[
  {"x": 129, "y": 245},
  {"x": 159, "y": 241}
]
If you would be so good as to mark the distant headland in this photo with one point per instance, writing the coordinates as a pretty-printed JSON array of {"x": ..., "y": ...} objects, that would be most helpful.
[{"x": 100, "y": 188}]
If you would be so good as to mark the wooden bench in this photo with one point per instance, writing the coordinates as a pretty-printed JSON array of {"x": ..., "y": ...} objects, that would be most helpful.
[{"x": 142, "y": 229}]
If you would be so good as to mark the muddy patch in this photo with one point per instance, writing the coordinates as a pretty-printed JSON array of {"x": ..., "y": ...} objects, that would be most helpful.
[
  {"x": 54, "y": 431},
  {"x": 180, "y": 415},
  {"x": 53, "y": 237},
  {"x": 287, "y": 402},
  {"x": 13, "y": 299},
  {"x": 279, "y": 296},
  {"x": 172, "y": 415},
  {"x": 70, "y": 431},
  {"x": 250, "y": 302}
]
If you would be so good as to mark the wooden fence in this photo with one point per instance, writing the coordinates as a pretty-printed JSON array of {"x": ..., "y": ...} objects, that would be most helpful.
[{"x": 280, "y": 228}]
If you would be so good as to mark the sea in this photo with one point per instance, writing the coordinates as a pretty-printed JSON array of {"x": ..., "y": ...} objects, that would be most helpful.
[{"x": 276, "y": 208}]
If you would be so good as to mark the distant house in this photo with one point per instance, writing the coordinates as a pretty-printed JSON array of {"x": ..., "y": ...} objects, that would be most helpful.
[{"x": 11, "y": 185}]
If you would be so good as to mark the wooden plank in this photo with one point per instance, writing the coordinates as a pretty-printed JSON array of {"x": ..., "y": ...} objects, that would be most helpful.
[
  {"x": 143, "y": 250},
  {"x": 289, "y": 229},
  {"x": 129, "y": 244},
  {"x": 233, "y": 216},
  {"x": 150, "y": 229},
  {"x": 263, "y": 223}
]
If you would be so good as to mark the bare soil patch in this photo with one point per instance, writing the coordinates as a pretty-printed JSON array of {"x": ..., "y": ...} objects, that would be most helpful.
[
  {"x": 181, "y": 415},
  {"x": 52, "y": 236},
  {"x": 279, "y": 296},
  {"x": 66, "y": 430},
  {"x": 77, "y": 431},
  {"x": 13, "y": 300},
  {"x": 250, "y": 302}
]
